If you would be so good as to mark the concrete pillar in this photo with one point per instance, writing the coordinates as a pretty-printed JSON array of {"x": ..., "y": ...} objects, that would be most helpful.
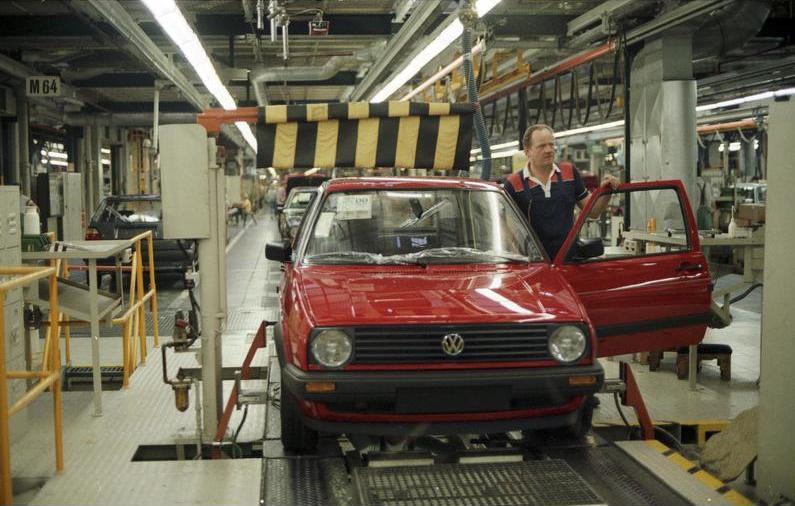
[
  {"x": 776, "y": 464},
  {"x": 662, "y": 112}
]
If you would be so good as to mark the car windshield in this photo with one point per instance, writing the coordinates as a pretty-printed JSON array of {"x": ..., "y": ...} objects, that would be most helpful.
[
  {"x": 419, "y": 227},
  {"x": 130, "y": 211},
  {"x": 299, "y": 200}
]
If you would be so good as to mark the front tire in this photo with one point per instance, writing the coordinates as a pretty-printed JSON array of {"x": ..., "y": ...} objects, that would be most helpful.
[
  {"x": 296, "y": 436},
  {"x": 582, "y": 426}
]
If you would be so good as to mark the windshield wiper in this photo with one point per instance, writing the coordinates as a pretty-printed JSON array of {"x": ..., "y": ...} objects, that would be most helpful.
[
  {"x": 421, "y": 257},
  {"x": 364, "y": 256}
]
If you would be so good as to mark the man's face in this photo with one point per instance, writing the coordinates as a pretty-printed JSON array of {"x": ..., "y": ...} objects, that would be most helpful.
[{"x": 541, "y": 151}]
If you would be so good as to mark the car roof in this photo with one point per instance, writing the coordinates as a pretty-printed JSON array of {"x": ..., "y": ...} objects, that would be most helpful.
[{"x": 391, "y": 183}]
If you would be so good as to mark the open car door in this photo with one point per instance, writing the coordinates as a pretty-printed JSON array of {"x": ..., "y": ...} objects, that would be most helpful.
[{"x": 646, "y": 286}]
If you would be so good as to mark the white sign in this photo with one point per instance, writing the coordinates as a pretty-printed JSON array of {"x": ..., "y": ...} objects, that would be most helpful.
[
  {"x": 43, "y": 86},
  {"x": 355, "y": 207}
]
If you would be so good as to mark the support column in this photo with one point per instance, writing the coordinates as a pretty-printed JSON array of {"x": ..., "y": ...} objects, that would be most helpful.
[
  {"x": 776, "y": 475},
  {"x": 663, "y": 112},
  {"x": 23, "y": 122},
  {"x": 212, "y": 290}
]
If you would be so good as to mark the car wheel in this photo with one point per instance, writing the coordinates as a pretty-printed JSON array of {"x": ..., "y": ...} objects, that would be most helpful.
[
  {"x": 296, "y": 436},
  {"x": 584, "y": 419}
]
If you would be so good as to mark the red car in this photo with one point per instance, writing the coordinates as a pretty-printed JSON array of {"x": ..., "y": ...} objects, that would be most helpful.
[{"x": 426, "y": 305}]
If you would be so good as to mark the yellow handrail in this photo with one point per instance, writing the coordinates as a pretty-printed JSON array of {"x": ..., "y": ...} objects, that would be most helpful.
[
  {"x": 133, "y": 319},
  {"x": 51, "y": 377}
]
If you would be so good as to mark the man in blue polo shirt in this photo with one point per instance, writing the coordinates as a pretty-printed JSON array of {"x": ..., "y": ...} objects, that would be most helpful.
[{"x": 547, "y": 192}]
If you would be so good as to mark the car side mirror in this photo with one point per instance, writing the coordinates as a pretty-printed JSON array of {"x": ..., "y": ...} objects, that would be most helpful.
[
  {"x": 586, "y": 248},
  {"x": 280, "y": 252}
]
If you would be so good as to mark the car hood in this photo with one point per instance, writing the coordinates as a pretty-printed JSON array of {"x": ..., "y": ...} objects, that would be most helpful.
[{"x": 378, "y": 295}]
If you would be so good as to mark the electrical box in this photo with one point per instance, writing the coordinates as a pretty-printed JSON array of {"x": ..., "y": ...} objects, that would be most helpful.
[
  {"x": 10, "y": 255},
  {"x": 184, "y": 181},
  {"x": 72, "y": 219}
]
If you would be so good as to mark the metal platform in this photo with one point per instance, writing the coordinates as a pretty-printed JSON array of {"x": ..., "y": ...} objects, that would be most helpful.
[{"x": 505, "y": 470}]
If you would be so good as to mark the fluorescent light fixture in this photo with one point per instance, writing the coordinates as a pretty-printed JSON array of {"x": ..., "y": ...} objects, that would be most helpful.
[
  {"x": 750, "y": 98},
  {"x": 511, "y": 144},
  {"x": 60, "y": 163},
  {"x": 245, "y": 130},
  {"x": 105, "y": 161},
  {"x": 104, "y": 151},
  {"x": 501, "y": 154},
  {"x": 54, "y": 154},
  {"x": 594, "y": 128},
  {"x": 446, "y": 37},
  {"x": 171, "y": 20}
]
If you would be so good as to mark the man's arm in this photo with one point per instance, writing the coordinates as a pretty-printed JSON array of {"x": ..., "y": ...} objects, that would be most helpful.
[{"x": 601, "y": 204}]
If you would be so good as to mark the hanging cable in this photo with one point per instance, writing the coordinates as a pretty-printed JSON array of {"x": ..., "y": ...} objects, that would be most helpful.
[{"x": 468, "y": 18}]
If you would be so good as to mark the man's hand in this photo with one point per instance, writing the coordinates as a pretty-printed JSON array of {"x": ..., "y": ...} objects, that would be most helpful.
[{"x": 609, "y": 181}]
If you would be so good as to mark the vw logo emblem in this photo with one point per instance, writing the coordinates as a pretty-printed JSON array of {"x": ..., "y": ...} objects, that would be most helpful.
[{"x": 453, "y": 344}]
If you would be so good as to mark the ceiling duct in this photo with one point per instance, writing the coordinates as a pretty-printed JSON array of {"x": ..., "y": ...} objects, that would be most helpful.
[
  {"x": 261, "y": 75},
  {"x": 729, "y": 28}
]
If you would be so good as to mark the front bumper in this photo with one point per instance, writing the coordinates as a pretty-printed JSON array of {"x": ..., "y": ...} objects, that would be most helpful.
[{"x": 452, "y": 397}]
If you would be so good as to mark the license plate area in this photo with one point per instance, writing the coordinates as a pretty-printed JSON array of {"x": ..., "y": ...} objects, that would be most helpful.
[{"x": 464, "y": 399}]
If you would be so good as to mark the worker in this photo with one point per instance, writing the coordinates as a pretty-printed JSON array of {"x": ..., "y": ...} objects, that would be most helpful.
[
  {"x": 547, "y": 192},
  {"x": 247, "y": 210}
]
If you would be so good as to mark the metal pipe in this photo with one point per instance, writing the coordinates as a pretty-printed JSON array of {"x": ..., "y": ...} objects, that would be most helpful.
[
  {"x": 285, "y": 40},
  {"x": 143, "y": 119},
  {"x": 23, "y": 120},
  {"x": 156, "y": 118},
  {"x": 261, "y": 75}
]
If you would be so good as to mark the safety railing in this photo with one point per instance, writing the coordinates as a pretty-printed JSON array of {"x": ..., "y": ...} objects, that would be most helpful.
[
  {"x": 48, "y": 377},
  {"x": 133, "y": 320}
]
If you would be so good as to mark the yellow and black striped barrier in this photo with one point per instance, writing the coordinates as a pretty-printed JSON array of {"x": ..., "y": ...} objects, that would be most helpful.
[
  {"x": 700, "y": 474},
  {"x": 365, "y": 135}
]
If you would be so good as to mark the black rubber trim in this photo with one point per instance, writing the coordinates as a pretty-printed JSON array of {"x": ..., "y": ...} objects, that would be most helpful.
[
  {"x": 651, "y": 325},
  {"x": 405, "y": 429},
  {"x": 383, "y": 385}
]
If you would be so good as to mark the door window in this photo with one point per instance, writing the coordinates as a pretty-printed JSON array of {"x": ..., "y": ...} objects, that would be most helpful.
[{"x": 638, "y": 223}]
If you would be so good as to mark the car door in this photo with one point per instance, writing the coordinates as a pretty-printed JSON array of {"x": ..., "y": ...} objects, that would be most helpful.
[{"x": 650, "y": 289}]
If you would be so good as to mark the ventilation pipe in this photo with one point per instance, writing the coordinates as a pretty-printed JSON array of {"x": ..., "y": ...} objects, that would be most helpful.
[
  {"x": 261, "y": 75},
  {"x": 729, "y": 28}
]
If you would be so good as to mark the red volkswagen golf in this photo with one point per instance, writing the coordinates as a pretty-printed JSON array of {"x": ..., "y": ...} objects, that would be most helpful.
[{"x": 427, "y": 305}]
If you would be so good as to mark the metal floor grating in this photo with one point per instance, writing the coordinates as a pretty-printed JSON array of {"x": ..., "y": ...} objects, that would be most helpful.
[
  {"x": 306, "y": 481},
  {"x": 542, "y": 483}
]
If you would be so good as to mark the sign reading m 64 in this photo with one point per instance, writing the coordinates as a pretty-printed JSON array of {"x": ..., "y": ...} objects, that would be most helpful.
[{"x": 43, "y": 86}]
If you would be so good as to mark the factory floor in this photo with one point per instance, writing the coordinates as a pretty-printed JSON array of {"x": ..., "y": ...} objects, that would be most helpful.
[{"x": 100, "y": 451}]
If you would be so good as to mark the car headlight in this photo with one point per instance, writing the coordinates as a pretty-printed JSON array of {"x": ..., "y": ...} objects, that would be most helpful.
[
  {"x": 332, "y": 348},
  {"x": 567, "y": 343}
]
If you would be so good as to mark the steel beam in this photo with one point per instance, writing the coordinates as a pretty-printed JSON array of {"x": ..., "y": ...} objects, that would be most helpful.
[
  {"x": 123, "y": 23},
  {"x": 396, "y": 46}
]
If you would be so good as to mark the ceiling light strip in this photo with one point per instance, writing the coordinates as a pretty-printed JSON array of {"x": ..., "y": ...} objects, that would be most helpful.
[
  {"x": 442, "y": 41},
  {"x": 171, "y": 20}
]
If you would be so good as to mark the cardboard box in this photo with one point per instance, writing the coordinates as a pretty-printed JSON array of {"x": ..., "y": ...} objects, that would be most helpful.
[{"x": 755, "y": 213}]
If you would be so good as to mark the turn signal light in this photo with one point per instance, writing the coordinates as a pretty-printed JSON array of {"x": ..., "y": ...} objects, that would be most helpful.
[
  {"x": 320, "y": 388},
  {"x": 580, "y": 381}
]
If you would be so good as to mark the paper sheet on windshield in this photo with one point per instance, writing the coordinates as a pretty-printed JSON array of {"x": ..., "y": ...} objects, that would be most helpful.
[
  {"x": 323, "y": 228},
  {"x": 355, "y": 207}
]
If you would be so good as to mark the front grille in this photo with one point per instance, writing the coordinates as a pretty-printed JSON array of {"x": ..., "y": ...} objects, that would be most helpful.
[{"x": 483, "y": 343}]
